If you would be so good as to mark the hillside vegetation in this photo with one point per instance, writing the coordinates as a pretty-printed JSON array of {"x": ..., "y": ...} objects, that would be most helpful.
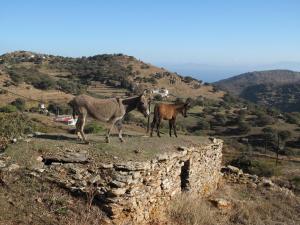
[
  {"x": 261, "y": 140},
  {"x": 106, "y": 75},
  {"x": 276, "y": 88}
]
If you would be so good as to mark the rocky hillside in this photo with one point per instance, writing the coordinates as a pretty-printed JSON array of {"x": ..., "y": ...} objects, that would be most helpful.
[
  {"x": 102, "y": 75},
  {"x": 278, "y": 88}
]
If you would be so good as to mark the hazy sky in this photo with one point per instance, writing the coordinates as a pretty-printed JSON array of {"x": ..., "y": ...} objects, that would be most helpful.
[{"x": 225, "y": 33}]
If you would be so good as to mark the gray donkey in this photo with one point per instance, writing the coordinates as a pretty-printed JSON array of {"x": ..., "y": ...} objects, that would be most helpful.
[{"x": 110, "y": 110}]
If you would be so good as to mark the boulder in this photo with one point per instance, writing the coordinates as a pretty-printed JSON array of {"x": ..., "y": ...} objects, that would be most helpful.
[
  {"x": 12, "y": 167},
  {"x": 266, "y": 182},
  {"x": 221, "y": 203}
]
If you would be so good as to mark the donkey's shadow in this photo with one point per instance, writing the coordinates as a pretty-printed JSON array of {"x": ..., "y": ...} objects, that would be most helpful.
[{"x": 56, "y": 137}]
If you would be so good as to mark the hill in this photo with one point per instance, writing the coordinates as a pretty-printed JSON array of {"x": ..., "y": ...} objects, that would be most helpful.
[
  {"x": 260, "y": 140},
  {"x": 46, "y": 76},
  {"x": 275, "y": 88}
]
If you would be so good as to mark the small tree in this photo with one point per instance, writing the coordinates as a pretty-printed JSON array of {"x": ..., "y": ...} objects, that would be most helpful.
[
  {"x": 203, "y": 125},
  {"x": 281, "y": 136},
  {"x": 269, "y": 135},
  {"x": 284, "y": 135},
  {"x": 19, "y": 103},
  {"x": 158, "y": 98},
  {"x": 263, "y": 120},
  {"x": 244, "y": 127}
]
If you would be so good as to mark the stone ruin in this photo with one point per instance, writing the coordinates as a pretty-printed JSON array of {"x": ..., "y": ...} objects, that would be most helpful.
[{"x": 134, "y": 192}]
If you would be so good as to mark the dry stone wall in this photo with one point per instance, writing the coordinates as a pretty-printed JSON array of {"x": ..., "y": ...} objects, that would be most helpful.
[{"x": 134, "y": 192}]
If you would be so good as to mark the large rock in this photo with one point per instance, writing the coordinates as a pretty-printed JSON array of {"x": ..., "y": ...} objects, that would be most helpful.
[{"x": 221, "y": 203}]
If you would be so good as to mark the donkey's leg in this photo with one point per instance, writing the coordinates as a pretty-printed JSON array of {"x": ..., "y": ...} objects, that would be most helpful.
[
  {"x": 112, "y": 126},
  {"x": 84, "y": 114},
  {"x": 119, "y": 127},
  {"x": 157, "y": 126},
  {"x": 152, "y": 126},
  {"x": 78, "y": 126},
  {"x": 174, "y": 127},
  {"x": 170, "y": 127}
]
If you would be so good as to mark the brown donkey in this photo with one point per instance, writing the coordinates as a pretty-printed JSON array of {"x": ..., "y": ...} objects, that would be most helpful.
[
  {"x": 168, "y": 112},
  {"x": 107, "y": 110}
]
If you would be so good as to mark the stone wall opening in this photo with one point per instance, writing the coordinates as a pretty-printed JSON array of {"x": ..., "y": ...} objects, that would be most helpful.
[{"x": 185, "y": 175}]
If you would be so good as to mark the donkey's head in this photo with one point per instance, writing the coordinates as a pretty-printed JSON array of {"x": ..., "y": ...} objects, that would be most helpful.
[
  {"x": 187, "y": 105},
  {"x": 143, "y": 104}
]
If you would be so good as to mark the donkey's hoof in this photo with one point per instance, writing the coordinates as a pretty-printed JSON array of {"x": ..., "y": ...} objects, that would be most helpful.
[
  {"x": 121, "y": 140},
  {"x": 86, "y": 142},
  {"x": 107, "y": 140}
]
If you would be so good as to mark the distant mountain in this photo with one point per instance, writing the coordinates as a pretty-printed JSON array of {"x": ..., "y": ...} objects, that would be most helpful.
[{"x": 276, "y": 88}]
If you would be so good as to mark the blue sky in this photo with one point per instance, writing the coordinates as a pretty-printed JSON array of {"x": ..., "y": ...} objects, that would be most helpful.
[{"x": 214, "y": 37}]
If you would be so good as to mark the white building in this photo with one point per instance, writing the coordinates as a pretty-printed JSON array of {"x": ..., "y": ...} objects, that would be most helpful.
[{"x": 163, "y": 92}]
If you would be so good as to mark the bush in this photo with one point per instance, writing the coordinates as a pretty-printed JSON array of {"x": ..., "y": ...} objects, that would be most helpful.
[
  {"x": 59, "y": 108},
  {"x": 19, "y": 103},
  {"x": 258, "y": 167},
  {"x": 203, "y": 125},
  {"x": 14, "y": 125},
  {"x": 145, "y": 66},
  {"x": 158, "y": 98},
  {"x": 31, "y": 76},
  {"x": 292, "y": 119},
  {"x": 264, "y": 120},
  {"x": 69, "y": 87},
  {"x": 242, "y": 162},
  {"x": 221, "y": 119},
  {"x": 8, "y": 109},
  {"x": 269, "y": 133},
  {"x": 244, "y": 128},
  {"x": 93, "y": 128},
  {"x": 130, "y": 117},
  {"x": 264, "y": 169},
  {"x": 44, "y": 83}
]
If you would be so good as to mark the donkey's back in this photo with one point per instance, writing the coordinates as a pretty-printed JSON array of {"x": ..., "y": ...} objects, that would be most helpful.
[
  {"x": 164, "y": 111},
  {"x": 101, "y": 109}
]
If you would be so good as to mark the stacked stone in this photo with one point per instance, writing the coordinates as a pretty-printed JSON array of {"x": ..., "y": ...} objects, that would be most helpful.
[
  {"x": 135, "y": 191},
  {"x": 138, "y": 189}
]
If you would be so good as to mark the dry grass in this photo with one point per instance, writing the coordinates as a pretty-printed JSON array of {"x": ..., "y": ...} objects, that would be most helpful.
[
  {"x": 188, "y": 209},
  {"x": 250, "y": 207},
  {"x": 27, "y": 200}
]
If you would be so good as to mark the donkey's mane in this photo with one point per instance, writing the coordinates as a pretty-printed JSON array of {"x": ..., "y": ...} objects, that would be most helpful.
[{"x": 130, "y": 103}]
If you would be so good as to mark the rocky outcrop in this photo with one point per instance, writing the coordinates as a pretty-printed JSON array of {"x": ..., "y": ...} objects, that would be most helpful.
[
  {"x": 233, "y": 174},
  {"x": 133, "y": 192}
]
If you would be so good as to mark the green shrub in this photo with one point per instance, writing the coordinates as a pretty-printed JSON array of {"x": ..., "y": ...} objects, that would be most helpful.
[
  {"x": 265, "y": 169},
  {"x": 59, "y": 108},
  {"x": 69, "y": 86},
  {"x": 244, "y": 128},
  {"x": 284, "y": 134},
  {"x": 8, "y": 109},
  {"x": 296, "y": 182},
  {"x": 14, "y": 125},
  {"x": 258, "y": 167},
  {"x": 203, "y": 125},
  {"x": 221, "y": 119},
  {"x": 157, "y": 98},
  {"x": 93, "y": 128},
  {"x": 292, "y": 118},
  {"x": 264, "y": 120},
  {"x": 19, "y": 103},
  {"x": 31, "y": 76}
]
